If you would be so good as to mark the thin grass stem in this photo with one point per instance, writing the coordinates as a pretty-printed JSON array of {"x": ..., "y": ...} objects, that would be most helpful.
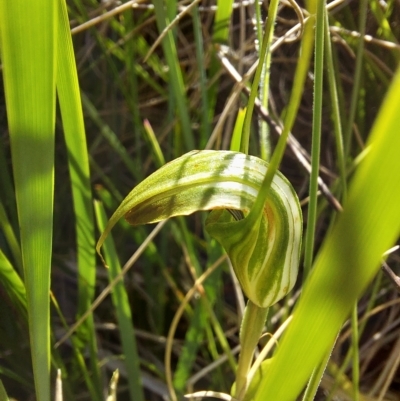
[
  {"x": 363, "y": 8},
  {"x": 316, "y": 135},
  {"x": 355, "y": 353}
]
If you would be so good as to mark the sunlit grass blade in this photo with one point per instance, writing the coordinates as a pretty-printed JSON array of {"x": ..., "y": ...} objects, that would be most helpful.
[
  {"x": 222, "y": 21},
  {"x": 28, "y": 50},
  {"x": 123, "y": 311},
  {"x": 75, "y": 138},
  {"x": 237, "y": 130},
  {"x": 74, "y": 133},
  {"x": 155, "y": 146},
  {"x": 348, "y": 260}
]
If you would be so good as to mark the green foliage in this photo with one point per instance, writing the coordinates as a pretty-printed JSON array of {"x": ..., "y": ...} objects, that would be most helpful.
[
  {"x": 158, "y": 80},
  {"x": 348, "y": 260},
  {"x": 30, "y": 100}
]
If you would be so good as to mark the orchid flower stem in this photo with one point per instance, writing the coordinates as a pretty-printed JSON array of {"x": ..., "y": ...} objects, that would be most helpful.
[{"x": 252, "y": 325}]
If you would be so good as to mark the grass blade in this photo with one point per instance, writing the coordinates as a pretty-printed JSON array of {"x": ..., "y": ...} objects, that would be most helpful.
[
  {"x": 357, "y": 78},
  {"x": 348, "y": 260},
  {"x": 78, "y": 162},
  {"x": 28, "y": 46},
  {"x": 316, "y": 136},
  {"x": 123, "y": 310}
]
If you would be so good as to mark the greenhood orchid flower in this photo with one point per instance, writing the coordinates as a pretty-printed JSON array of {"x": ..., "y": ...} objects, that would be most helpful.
[{"x": 264, "y": 248}]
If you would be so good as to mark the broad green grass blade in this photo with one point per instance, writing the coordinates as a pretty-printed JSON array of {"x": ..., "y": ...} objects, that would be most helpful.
[
  {"x": 28, "y": 50},
  {"x": 348, "y": 260},
  {"x": 123, "y": 310},
  {"x": 222, "y": 21},
  {"x": 75, "y": 138},
  {"x": 78, "y": 162}
]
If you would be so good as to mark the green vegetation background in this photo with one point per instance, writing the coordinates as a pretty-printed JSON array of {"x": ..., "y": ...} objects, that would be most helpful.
[{"x": 65, "y": 166}]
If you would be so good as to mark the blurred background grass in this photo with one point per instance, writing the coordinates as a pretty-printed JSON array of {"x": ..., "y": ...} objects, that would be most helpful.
[{"x": 143, "y": 106}]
